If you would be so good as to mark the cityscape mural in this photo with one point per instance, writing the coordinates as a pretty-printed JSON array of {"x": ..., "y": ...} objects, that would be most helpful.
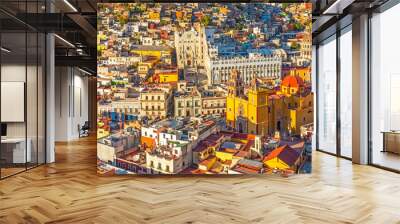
[{"x": 204, "y": 88}]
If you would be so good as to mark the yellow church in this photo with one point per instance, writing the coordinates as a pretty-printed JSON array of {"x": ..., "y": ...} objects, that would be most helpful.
[
  {"x": 247, "y": 112},
  {"x": 263, "y": 111},
  {"x": 299, "y": 102}
]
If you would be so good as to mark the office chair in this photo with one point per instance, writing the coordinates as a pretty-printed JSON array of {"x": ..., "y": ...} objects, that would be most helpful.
[{"x": 84, "y": 130}]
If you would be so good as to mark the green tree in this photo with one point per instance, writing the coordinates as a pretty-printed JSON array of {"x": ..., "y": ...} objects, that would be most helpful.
[
  {"x": 295, "y": 46},
  {"x": 205, "y": 20},
  {"x": 298, "y": 26},
  {"x": 163, "y": 23}
]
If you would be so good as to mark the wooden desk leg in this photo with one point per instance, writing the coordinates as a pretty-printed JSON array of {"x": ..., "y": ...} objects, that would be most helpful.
[{"x": 384, "y": 142}]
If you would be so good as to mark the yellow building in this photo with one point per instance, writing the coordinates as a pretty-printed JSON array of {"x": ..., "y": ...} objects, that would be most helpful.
[
  {"x": 164, "y": 74},
  {"x": 248, "y": 114},
  {"x": 167, "y": 77},
  {"x": 299, "y": 102},
  {"x": 154, "y": 16},
  {"x": 224, "y": 156},
  {"x": 303, "y": 73},
  {"x": 301, "y": 111},
  {"x": 263, "y": 111},
  {"x": 155, "y": 51},
  {"x": 224, "y": 10}
]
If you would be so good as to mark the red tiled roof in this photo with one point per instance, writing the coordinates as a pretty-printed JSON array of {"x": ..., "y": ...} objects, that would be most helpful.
[
  {"x": 200, "y": 147},
  {"x": 274, "y": 153},
  {"x": 206, "y": 161},
  {"x": 284, "y": 153},
  {"x": 245, "y": 170},
  {"x": 292, "y": 81},
  {"x": 274, "y": 97},
  {"x": 249, "y": 144},
  {"x": 227, "y": 162},
  {"x": 198, "y": 171},
  {"x": 228, "y": 150},
  {"x": 243, "y": 136},
  {"x": 241, "y": 153},
  {"x": 214, "y": 137}
]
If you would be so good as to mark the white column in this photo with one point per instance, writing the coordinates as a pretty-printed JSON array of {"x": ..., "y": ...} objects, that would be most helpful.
[
  {"x": 360, "y": 90},
  {"x": 50, "y": 98}
]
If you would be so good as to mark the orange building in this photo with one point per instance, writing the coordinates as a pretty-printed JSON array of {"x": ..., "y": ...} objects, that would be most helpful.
[{"x": 292, "y": 84}]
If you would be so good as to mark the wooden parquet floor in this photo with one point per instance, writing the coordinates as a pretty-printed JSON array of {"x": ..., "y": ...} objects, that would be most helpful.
[{"x": 70, "y": 191}]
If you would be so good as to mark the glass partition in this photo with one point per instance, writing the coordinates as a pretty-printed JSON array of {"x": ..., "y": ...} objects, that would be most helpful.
[
  {"x": 31, "y": 97},
  {"x": 14, "y": 155},
  {"x": 22, "y": 77},
  {"x": 327, "y": 95},
  {"x": 385, "y": 89},
  {"x": 346, "y": 94}
]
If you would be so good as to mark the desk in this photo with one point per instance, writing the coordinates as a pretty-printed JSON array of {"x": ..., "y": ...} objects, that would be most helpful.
[
  {"x": 13, "y": 150},
  {"x": 391, "y": 141}
]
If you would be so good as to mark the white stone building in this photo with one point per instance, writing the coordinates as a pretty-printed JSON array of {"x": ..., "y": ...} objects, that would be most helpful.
[
  {"x": 190, "y": 48},
  {"x": 156, "y": 103},
  {"x": 213, "y": 102},
  {"x": 255, "y": 65},
  {"x": 187, "y": 103},
  {"x": 169, "y": 159}
]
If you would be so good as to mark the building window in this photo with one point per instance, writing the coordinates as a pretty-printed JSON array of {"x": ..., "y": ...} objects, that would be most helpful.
[
  {"x": 385, "y": 89},
  {"x": 327, "y": 95},
  {"x": 346, "y": 93}
]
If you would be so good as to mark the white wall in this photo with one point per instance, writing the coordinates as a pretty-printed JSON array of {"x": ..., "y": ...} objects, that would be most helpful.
[
  {"x": 34, "y": 125},
  {"x": 14, "y": 73},
  {"x": 71, "y": 102}
]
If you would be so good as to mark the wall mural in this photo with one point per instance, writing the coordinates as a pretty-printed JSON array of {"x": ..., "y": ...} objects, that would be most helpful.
[{"x": 204, "y": 88}]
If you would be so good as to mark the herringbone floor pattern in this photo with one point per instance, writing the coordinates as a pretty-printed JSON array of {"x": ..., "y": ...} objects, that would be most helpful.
[{"x": 69, "y": 191}]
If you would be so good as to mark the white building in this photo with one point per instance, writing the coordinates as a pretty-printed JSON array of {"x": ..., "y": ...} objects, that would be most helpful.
[
  {"x": 174, "y": 140},
  {"x": 169, "y": 159},
  {"x": 147, "y": 41},
  {"x": 109, "y": 148},
  {"x": 117, "y": 60},
  {"x": 187, "y": 103},
  {"x": 127, "y": 106},
  {"x": 190, "y": 48},
  {"x": 255, "y": 65}
]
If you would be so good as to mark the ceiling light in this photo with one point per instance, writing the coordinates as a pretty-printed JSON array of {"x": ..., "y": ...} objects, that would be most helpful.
[
  {"x": 70, "y": 5},
  {"x": 64, "y": 40},
  {"x": 5, "y": 50},
  {"x": 86, "y": 72},
  {"x": 337, "y": 7}
]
